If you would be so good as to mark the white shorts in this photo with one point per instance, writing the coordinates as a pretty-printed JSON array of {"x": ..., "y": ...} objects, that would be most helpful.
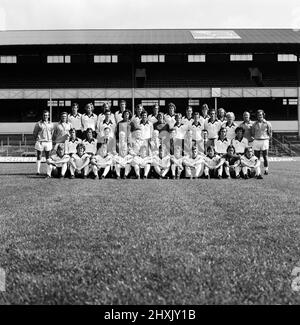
[
  {"x": 260, "y": 145},
  {"x": 43, "y": 145}
]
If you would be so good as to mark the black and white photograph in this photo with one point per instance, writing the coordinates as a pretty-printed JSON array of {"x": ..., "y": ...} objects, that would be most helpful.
[{"x": 149, "y": 155}]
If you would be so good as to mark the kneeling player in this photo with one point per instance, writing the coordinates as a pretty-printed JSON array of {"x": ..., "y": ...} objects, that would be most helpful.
[
  {"x": 250, "y": 164},
  {"x": 213, "y": 164},
  {"x": 232, "y": 163},
  {"x": 123, "y": 160},
  {"x": 57, "y": 164},
  {"x": 142, "y": 161},
  {"x": 103, "y": 160},
  {"x": 161, "y": 162},
  {"x": 194, "y": 164},
  {"x": 177, "y": 163},
  {"x": 79, "y": 163}
]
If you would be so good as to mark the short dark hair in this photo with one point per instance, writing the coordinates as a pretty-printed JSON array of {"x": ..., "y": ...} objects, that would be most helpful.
[
  {"x": 80, "y": 145},
  {"x": 239, "y": 128}
]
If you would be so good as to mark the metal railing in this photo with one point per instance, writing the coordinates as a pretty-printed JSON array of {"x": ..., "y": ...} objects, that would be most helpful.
[{"x": 282, "y": 146}]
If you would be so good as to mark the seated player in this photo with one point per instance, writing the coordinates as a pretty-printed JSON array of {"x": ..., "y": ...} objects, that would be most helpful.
[
  {"x": 71, "y": 143},
  {"x": 123, "y": 160},
  {"x": 250, "y": 164},
  {"x": 213, "y": 164},
  {"x": 90, "y": 143},
  {"x": 222, "y": 143},
  {"x": 155, "y": 142},
  {"x": 177, "y": 163},
  {"x": 162, "y": 162},
  {"x": 232, "y": 163},
  {"x": 142, "y": 161},
  {"x": 79, "y": 162},
  {"x": 194, "y": 164},
  {"x": 239, "y": 142},
  {"x": 102, "y": 160},
  {"x": 57, "y": 164}
]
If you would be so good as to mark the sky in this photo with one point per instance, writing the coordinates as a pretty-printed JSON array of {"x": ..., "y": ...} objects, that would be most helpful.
[{"x": 94, "y": 14}]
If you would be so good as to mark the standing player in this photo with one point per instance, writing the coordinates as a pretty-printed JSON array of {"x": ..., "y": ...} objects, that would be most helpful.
[
  {"x": 104, "y": 124},
  {"x": 155, "y": 143},
  {"x": 188, "y": 118},
  {"x": 119, "y": 113},
  {"x": 57, "y": 164},
  {"x": 221, "y": 115},
  {"x": 42, "y": 135},
  {"x": 79, "y": 163},
  {"x": 213, "y": 126},
  {"x": 124, "y": 126},
  {"x": 62, "y": 129},
  {"x": 153, "y": 117},
  {"x": 262, "y": 133},
  {"x": 250, "y": 164},
  {"x": 197, "y": 128},
  {"x": 204, "y": 113},
  {"x": 247, "y": 126},
  {"x": 230, "y": 126},
  {"x": 75, "y": 119},
  {"x": 89, "y": 120},
  {"x": 170, "y": 116},
  {"x": 146, "y": 127}
]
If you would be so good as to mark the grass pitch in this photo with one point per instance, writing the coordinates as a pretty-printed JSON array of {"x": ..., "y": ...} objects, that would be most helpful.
[{"x": 149, "y": 241}]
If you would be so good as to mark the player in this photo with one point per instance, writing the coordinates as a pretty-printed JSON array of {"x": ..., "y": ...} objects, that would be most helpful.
[
  {"x": 177, "y": 163},
  {"x": 90, "y": 143},
  {"x": 179, "y": 127},
  {"x": 146, "y": 127},
  {"x": 250, "y": 164},
  {"x": 247, "y": 126},
  {"x": 89, "y": 120},
  {"x": 57, "y": 164},
  {"x": 136, "y": 118},
  {"x": 154, "y": 143},
  {"x": 222, "y": 143},
  {"x": 204, "y": 143},
  {"x": 71, "y": 143},
  {"x": 107, "y": 122},
  {"x": 188, "y": 119},
  {"x": 75, "y": 119},
  {"x": 170, "y": 116},
  {"x": 102, "y": 160},
  {"x": 79, "y": 163},
  {"x": 240, "y": 143},
  {"x": 137, "y": 143},
  {"x": 213, "y": 164},
  {"x": 221, "y": 114},
  {"x": 62, "y": 129},
  {"x": 42, "y": 134},
  {"x": 197, "y": 127},
  {"x": 162, "y": 162},
  {"x": 142, "y": 161},
  {"x": 231, "y": 163},
  {"x": 124, "y": 126},
  {"x": 194, "y": 164},
  {"x": 204, "y": 114},
  {"x": 153, "y": 118},
  {"x": 230, "y": 126},
  {"x": 213, "y": 126},
  {"x": 162, "y": 126},
  {"x": 123, "y": 160},
  {"x": 188, "y": 143},
  {"x": 119, "y": 113},
  {"x": 262, "y": 133}
]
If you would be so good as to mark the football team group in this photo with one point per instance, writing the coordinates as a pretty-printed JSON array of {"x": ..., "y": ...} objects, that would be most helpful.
[{"x": 202, "y": 144}]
